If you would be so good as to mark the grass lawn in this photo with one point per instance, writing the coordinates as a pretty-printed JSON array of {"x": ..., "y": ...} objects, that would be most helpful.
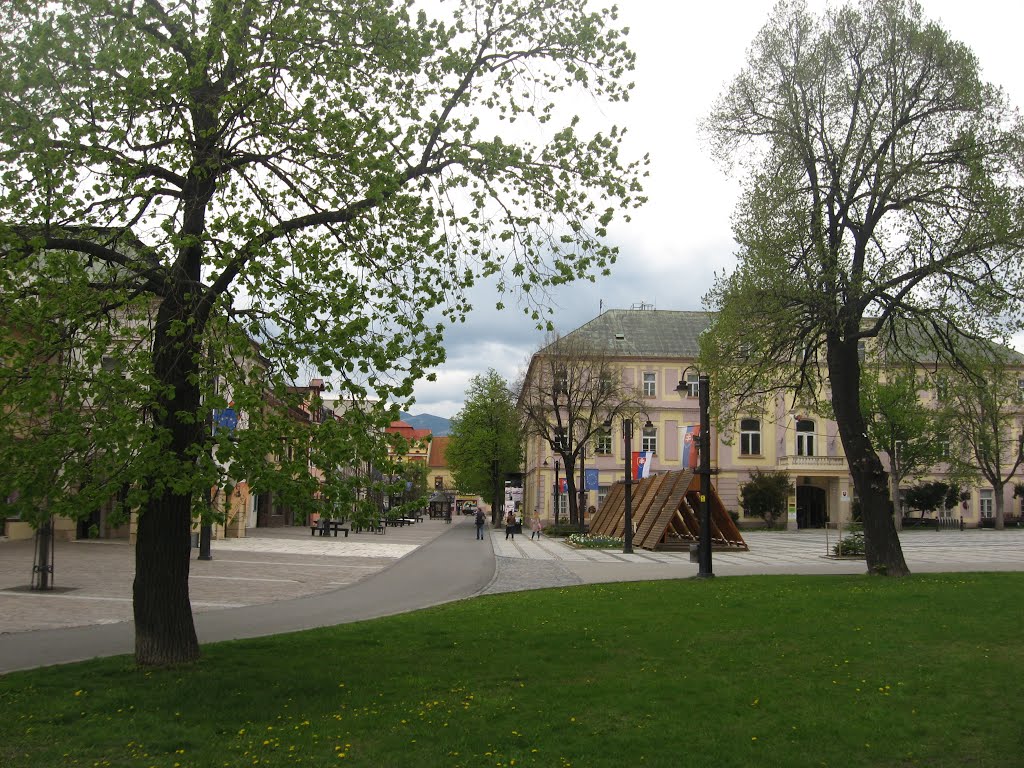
[{"x": 758, "y": 671}]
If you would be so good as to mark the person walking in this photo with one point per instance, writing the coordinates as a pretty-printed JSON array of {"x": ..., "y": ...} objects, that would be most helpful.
[
  {"x": 479, "y": 520},
  {"x": 535, "y": 526},
  {"x": 510, "y": 525}
]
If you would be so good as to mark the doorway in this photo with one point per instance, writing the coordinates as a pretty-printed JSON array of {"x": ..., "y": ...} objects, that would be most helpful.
[{"x": 811, "y": 507}]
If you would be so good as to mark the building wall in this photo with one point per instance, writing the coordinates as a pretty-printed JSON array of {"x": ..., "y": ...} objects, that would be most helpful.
[{"x": 671, "y": 411}]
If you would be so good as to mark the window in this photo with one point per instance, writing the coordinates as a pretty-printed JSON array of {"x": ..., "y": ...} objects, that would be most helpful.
[
  {"x": 561, "y": 381},
  {"x": 603, "y": 442},
  {"x": 692, "y": 385},
  {"x": 605, "y": 383},
  {"x": 805, "y": 438},
  {"x": 602, "y": 494},
  {"x": 649, "y": 441},
  {"x": 985, "y": 504},
  {"x": 650, "y": 389},
  {"x": 750, "y": 437}
]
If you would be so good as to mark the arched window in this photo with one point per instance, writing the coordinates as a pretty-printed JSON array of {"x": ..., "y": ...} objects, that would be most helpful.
[
  {"x": 750, "y": 437},
  {"x": 805, "y": 437}
]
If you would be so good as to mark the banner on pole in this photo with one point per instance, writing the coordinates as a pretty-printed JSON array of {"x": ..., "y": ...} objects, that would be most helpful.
[
  {"x": 642, "y": 464},
  {"x": 691, "y": 447}
]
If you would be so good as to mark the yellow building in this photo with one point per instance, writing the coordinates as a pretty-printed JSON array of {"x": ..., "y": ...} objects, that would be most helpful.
[{"x": 655, "y": 352}]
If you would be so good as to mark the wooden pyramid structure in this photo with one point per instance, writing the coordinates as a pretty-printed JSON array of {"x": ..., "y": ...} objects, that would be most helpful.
[{"x": 666, "y": 514}]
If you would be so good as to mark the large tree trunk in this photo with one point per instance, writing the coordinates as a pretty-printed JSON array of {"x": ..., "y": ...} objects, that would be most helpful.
[
  {"x": 871, "y": 481},
  {"x": 164, "y": 629}
]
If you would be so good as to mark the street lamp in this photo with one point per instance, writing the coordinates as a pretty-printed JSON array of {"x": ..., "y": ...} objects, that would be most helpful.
[
  {"x": 583, "y": 491},
  {"x": 627, "y": 436},
  {"x": 554, "y": 490},
  {"x": 704, "y": 471}
]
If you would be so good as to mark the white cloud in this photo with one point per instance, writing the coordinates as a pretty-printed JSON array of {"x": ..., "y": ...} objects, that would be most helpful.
[{"x": 686, "y": 53}]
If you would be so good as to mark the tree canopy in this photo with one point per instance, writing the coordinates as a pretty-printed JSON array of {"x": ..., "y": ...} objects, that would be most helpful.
[
  {"x": 485, "y": 431},
  {"x": 277, "y": 187},
  {"x": 882, "y": 203}
]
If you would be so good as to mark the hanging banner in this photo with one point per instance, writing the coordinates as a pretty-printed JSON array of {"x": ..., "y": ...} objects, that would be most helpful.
[
  {"x": 642, "y": 464},
  {"x": 562, "y": 487},
  {"x": 591, "y": 480},
  {"x": 691, "y": 447}
]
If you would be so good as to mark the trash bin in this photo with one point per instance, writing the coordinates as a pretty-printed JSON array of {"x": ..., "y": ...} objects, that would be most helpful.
[{"x": 695, "y": 553}]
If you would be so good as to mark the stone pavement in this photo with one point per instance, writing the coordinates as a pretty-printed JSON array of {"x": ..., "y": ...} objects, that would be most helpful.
[
  {"x": 524, "y": 563},
  {"x": 278, "y": 580},
  {"x": 93, "y": 578}
]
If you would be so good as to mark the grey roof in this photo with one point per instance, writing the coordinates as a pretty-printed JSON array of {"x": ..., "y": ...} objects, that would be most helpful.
[{"x": 645, "y": 333}]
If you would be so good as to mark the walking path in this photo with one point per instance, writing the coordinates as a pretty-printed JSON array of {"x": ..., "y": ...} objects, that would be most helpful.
[{"x": 280, "y": 580}]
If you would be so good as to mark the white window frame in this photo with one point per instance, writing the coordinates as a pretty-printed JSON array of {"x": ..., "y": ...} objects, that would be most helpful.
[
  {"x": 986, "y": 503},
  {"x": 603, "y": 443},
  {"x": 649, "y": 440},
  {"x": 693, "y": 385},
  {"x": 805, "y": 438},
  {"x": 750, "y": 437},
  {"x": 650, "y": 384}
]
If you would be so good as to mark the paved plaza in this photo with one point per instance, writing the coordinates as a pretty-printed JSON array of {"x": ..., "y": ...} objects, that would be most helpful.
[{"x": 276, "y": 580}]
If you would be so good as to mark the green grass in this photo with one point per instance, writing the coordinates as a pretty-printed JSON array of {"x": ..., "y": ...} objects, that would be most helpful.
[{"x": 760, "y": 671}]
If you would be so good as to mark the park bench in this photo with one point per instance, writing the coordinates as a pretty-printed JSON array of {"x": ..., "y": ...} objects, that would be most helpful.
[
  {"x": 377, "y": 527},
  {"x": 329, "y": 526}
]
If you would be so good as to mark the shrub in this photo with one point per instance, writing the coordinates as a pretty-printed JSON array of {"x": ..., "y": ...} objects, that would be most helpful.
[
  {"x": 586, "y": 541},
  {"x": 850, "y": 546},
  {"x": 562, "y": 529}
]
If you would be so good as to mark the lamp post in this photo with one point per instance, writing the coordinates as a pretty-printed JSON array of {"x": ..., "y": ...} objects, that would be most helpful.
[
  {"x": 583, "y": 492},
  {"x": 554, "y": 490},
  {"x": 704, "y": 570},
  {"x": 627, "y": 435},
  {"x": 897, "y": 515},
  {"x": 704, "y": 404}
]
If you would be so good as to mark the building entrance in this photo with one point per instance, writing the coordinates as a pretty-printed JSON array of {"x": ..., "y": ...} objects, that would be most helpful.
[{"x": 811, "y": 507}]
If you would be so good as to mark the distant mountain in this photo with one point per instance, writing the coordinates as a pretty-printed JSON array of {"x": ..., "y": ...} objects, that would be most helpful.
[{"x": 437, "y": 425}]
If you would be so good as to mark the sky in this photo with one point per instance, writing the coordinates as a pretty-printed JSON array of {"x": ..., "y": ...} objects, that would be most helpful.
[{"x": 670, "y": 251}]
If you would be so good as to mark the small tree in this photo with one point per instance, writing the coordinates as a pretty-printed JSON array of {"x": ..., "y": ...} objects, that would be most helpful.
[
  {"x": 569, "y": 393},
  {"x": 485, "y": 438},
  {"x": 900, "y": 424},
  {"x": 928, "y": 497},
  {"x": 980, "y": 415},
  {"x": 765, "y": 495}
]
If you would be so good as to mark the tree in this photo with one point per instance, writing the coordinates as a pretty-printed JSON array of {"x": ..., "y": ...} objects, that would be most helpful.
[
  {"x": 900, "y": 424},
  {"x": 765, "y": 495},
  {"x": 881, "y": 214},
  {"x": 569, "y": 395},
  {"x": 485, "y": 437},
  {"x": 981, "y": 413},
  {"x": 932, "y": 495},
  {"x": 321, "y": 178}
]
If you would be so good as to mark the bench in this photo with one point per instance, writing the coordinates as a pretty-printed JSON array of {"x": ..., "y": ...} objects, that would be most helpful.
[
  {"x": 375, "y": 527},
  {"x": 329, "y": 526}
]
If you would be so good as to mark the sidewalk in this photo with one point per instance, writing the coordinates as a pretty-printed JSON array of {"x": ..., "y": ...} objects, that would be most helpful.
[
  {"x": 279, "y": 580},
  {"x": 523, "y": 563}
]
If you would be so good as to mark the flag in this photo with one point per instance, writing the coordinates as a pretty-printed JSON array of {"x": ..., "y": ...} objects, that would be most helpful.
[
  {"x": 642, "y": 464},
  {"x": 562, "y": 485},
  {"x": 592, "y": 481},
  {"x": 691, "y": 447}
]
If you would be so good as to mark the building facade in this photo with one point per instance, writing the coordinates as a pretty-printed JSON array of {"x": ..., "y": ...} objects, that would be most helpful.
[{"x": 655, "y": 352}]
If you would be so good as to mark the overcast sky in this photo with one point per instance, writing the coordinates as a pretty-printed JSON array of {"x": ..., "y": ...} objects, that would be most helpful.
[{"x": 686, "y": 53}]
